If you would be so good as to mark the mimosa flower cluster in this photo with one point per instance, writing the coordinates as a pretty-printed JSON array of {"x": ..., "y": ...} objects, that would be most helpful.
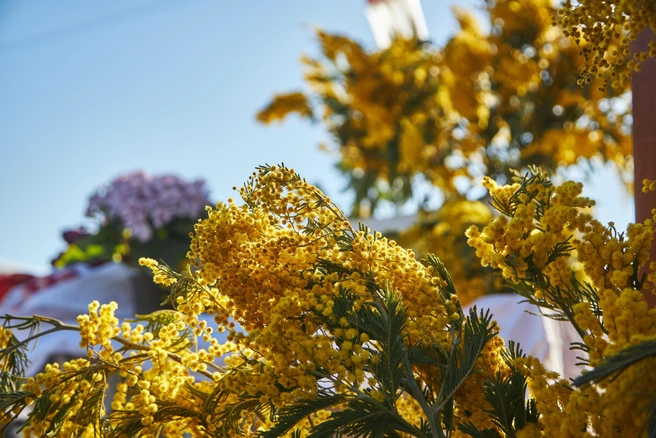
[
  {"x": 290, "y": 269},
  {"x": 604, "y": 30},
  {"x": 312, "y": 309},
  {"x": 543, "y": 232},
  {"x": 335, "y": 330}
]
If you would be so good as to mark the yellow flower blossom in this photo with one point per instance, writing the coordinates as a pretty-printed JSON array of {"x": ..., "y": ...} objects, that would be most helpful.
[
  {"x": 603, "y": 31},
  {"x": 289, "y": 280},
  {"x": 485, "y": 101},
  {"x": 284, "y": 104},
  {"x": 542, "y": 230}
]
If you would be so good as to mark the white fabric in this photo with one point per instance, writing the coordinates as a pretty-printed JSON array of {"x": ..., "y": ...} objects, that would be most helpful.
[
  {"x": 67, "y": 299},
  {"x": 391, "y": 18},
  {"x": 396, "y": 223},
  {"x": 538, "y": 336}
]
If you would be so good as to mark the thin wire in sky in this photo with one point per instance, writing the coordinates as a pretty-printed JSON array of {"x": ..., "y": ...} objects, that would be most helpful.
[{"x": 92, "y": 24}]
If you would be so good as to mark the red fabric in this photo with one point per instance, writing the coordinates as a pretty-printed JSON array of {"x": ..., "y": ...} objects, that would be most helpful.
[
  {"x": 35, "y": 284},
  {"x": 9, "y": 281},
  {"x": 31, "y": 284}
]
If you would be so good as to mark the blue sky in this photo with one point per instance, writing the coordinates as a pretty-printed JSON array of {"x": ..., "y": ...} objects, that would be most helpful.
[{"x": 89, "y": 90}]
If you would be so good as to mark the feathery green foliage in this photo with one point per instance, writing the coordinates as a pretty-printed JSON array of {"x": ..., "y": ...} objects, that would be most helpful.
[
  {"x": 13, "y": 358},
  {"x": 617, "y": 363},
  {"x": 510, "y": 410},
  {"x": 53, "y": 410}
]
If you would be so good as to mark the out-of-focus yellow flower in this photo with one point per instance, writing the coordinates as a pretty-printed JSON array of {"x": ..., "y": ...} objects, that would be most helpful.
[
  {"x": 283, "y": 105},
  {"x": 648, "y": 185},
  {"x": 484, "y": 102}
]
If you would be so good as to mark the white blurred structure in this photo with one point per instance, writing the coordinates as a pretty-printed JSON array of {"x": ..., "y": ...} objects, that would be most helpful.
[
  {"x": 67, "y": 293},
  {"x": 396, "y": 18},
  {"x": 394, "y": 224},
  {"x": 538, "y": 336}
]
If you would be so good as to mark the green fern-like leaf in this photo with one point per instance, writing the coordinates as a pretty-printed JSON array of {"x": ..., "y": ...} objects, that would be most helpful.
[
  {"x": 13, "y": 360},
  {"x": 54, "y": 411},
  {"x": 386, "y": 319},
  {"x": 478, "y": 331},
  {"x": 470, "y": 429},
  {"x": 287, "y": 418},
  {"x": 364, "y": 417},
  {"x": 8, "y": 402},
  {"x": 506, "y": 395},
  {"x": 617, "y": 363},
  {"x": 128, "y": 423},
  {"x": 438, "y": 266},
  {"x": 233, "y": 413}
]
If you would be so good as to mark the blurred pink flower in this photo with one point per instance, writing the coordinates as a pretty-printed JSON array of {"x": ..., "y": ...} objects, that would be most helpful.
[{"x": 145, "y": 203}]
